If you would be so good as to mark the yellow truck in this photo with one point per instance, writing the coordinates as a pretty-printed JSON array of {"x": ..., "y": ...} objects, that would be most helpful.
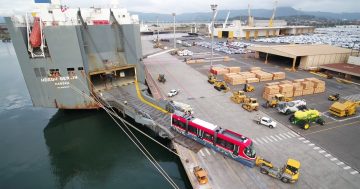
[
  {"x": 344, "y": 109},
  {"x": 289, "y": 173}
]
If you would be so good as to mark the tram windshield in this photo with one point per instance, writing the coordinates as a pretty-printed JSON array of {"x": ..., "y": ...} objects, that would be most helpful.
[{"x": 250, "y": 151}]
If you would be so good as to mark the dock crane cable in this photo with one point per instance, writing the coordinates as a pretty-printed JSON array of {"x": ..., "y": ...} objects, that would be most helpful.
[
  {"x": 95, "y": 98},
  {"x": 113, "y": 112},
  {"x": 152, "y": 159}
]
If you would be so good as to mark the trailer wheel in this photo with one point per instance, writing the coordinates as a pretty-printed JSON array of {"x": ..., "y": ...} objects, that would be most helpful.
[
  {"x": 306, "y": 126},
  {"x": 285, "y": 180},
  {"x": 292, "y": 118},
  {"x": 320, "y": 121},
  {"x": 288, "y": 112},
  {"x": 263, "y": 171}
]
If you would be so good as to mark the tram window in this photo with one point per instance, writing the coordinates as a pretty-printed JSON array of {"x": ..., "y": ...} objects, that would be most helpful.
[
  {"x": 225, "y": 144},
  {"x": 192, "y": 129},
  {"x": 175, "y": 122},
  {"x": 208, "y": 136},
  {"x": 182, "y": 125}
]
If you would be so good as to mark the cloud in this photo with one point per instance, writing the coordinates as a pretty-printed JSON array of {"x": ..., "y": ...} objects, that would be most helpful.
[{"x": 169, "y": 6}]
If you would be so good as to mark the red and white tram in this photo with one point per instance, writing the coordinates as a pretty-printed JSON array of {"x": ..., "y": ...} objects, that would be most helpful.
[{"x": 232, "y": 144}]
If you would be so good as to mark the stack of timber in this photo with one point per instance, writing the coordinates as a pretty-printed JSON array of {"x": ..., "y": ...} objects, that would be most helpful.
[
  {"x": 308, "y": 87},
  {"x": 219, "y": 70},
  {"x": 252, "y": 69},
  {"x": 264, "y": 76},
  {"x": 271, "y": 91},
  {"x": 234, "y": 79},
  {"x": 294, "y": 88},
  {"x": 286, "y": 90},
  {"x": 233, "y": 69},
  {"x": 278, "y": 75},
  {"x": 286, "y": 82},
  {"x": 319, "y": 86},
  {"x": 272, "y": 83},
  {"x": 252, "y": 80},
  {"x": 298, "y": 89}
]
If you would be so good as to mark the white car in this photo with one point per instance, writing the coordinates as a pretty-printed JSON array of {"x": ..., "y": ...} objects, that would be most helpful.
[
  {"x": 267, "y": 122},
  {"x": 173, "y": 92}
]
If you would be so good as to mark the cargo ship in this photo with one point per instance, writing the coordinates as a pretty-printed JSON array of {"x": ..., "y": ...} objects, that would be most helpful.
[{"x": 58, "y": 47}]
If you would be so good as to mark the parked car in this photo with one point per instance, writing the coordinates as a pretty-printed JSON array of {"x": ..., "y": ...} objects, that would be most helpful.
[
  {"x": 267, "y": 122},
  {"x": 173, "y": 92}
]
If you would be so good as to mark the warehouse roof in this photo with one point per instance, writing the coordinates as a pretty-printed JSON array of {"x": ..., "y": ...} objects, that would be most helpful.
[
  {"x": 293, "y": 51},
  {"x": 350, "y": 69}
]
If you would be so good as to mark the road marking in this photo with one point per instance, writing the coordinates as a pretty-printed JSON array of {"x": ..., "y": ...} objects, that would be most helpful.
[
  {"x": 347, "y": 167},
  {"x": 289, "y": 133},
  {"x": 282, "y": 136},
  {"x": 311, "y": 144},
  {"x": 278, "y": 137},
  {"x": 327, "y": 155},
  {"x": 333, "y": 159},
  {"x": 264, "y": 140},
  {"x": 306, "y": 141},
  {"x": 260, "y": 141},
  {"x": 202, "y": 153},
  {"x": 254, "y": 141},
  {"x": 268, "y": 139},
  {"x": 207, "y": 151},
  {"x": 274, "y": 138},
  {"x": 322, "y": 151},
  {"x": 340, "y": 163},
  {"x": 301, "y": 138},
  {"x": 316, "y": 148},
  {"x": 333, "y": 127},
  {"x": 354, "y": 172},
  {"x": 286, "y": 135},
  {"x": 294, "y": 133}
]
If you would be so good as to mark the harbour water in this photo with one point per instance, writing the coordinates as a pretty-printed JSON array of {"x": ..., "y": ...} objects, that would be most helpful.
[{"x": 50, "y": 148}]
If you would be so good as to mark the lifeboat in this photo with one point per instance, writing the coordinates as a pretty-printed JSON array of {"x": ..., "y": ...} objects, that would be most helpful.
[{"x": 35, "y": 36}]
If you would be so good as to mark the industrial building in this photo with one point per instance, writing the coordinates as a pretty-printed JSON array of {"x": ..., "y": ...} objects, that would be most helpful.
[
  {"x": 349, "y": 70},
  {"x": 306, "y": 57},
  {"x": 260, "y": 28}
]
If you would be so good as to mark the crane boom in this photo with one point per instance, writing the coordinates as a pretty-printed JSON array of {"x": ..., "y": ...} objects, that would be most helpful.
[
  {"x": 227, "y": 17},
  {"x": 271, "y": 22}
]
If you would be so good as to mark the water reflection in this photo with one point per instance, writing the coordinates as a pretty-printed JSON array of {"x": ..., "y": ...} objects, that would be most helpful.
[{"x": 86, "y": 149}]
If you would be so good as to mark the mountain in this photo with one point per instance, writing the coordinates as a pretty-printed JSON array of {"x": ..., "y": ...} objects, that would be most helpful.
[{"x": 263, "y": 13}]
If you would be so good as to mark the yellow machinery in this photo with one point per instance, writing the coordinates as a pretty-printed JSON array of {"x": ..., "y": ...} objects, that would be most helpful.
[
  {"x": 289, "y": 173},
  {"x": 344, "y": 109},
  {"x": 334, "y": 97},
  {"x": 278, "y": 98},
  {"x": 200, "y": 175},
  {"x": 251, "y": 104},
  {"x": 221, "y": 85},
  {"x": 249, "y": 88},
  {"x": 303, "y": 118},
  {"x": 238, "y": 97},
  {"x": 211, "y": 78}
]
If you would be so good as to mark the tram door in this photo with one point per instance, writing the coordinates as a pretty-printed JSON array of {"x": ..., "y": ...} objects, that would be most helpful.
[
  {"x": 236, "y": 150},
  {"x": 200, "y": 133}
]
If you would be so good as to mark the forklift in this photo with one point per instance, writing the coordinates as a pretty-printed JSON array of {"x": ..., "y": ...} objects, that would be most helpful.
[
  {"x": 275, "y": 101},
  {"x": 211, "y": 78},
  {"x": 334, "y": 97},
  {"x": 249, "y": 88},
  {"x": 289, "y": 173}
]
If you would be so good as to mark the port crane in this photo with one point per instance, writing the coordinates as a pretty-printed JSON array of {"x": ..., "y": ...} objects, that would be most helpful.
[
  {"x": 271, "y": 21},
  {"x": 250, "y": 18}
]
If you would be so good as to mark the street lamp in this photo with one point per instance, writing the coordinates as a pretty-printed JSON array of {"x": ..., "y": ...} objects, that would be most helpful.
[
  {"x": 213, "y": 8},
  {"x": 173, "y": 14}
]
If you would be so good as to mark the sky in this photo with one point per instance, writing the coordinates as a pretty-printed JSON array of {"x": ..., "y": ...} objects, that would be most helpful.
[{"x": 9, "y": 7}]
